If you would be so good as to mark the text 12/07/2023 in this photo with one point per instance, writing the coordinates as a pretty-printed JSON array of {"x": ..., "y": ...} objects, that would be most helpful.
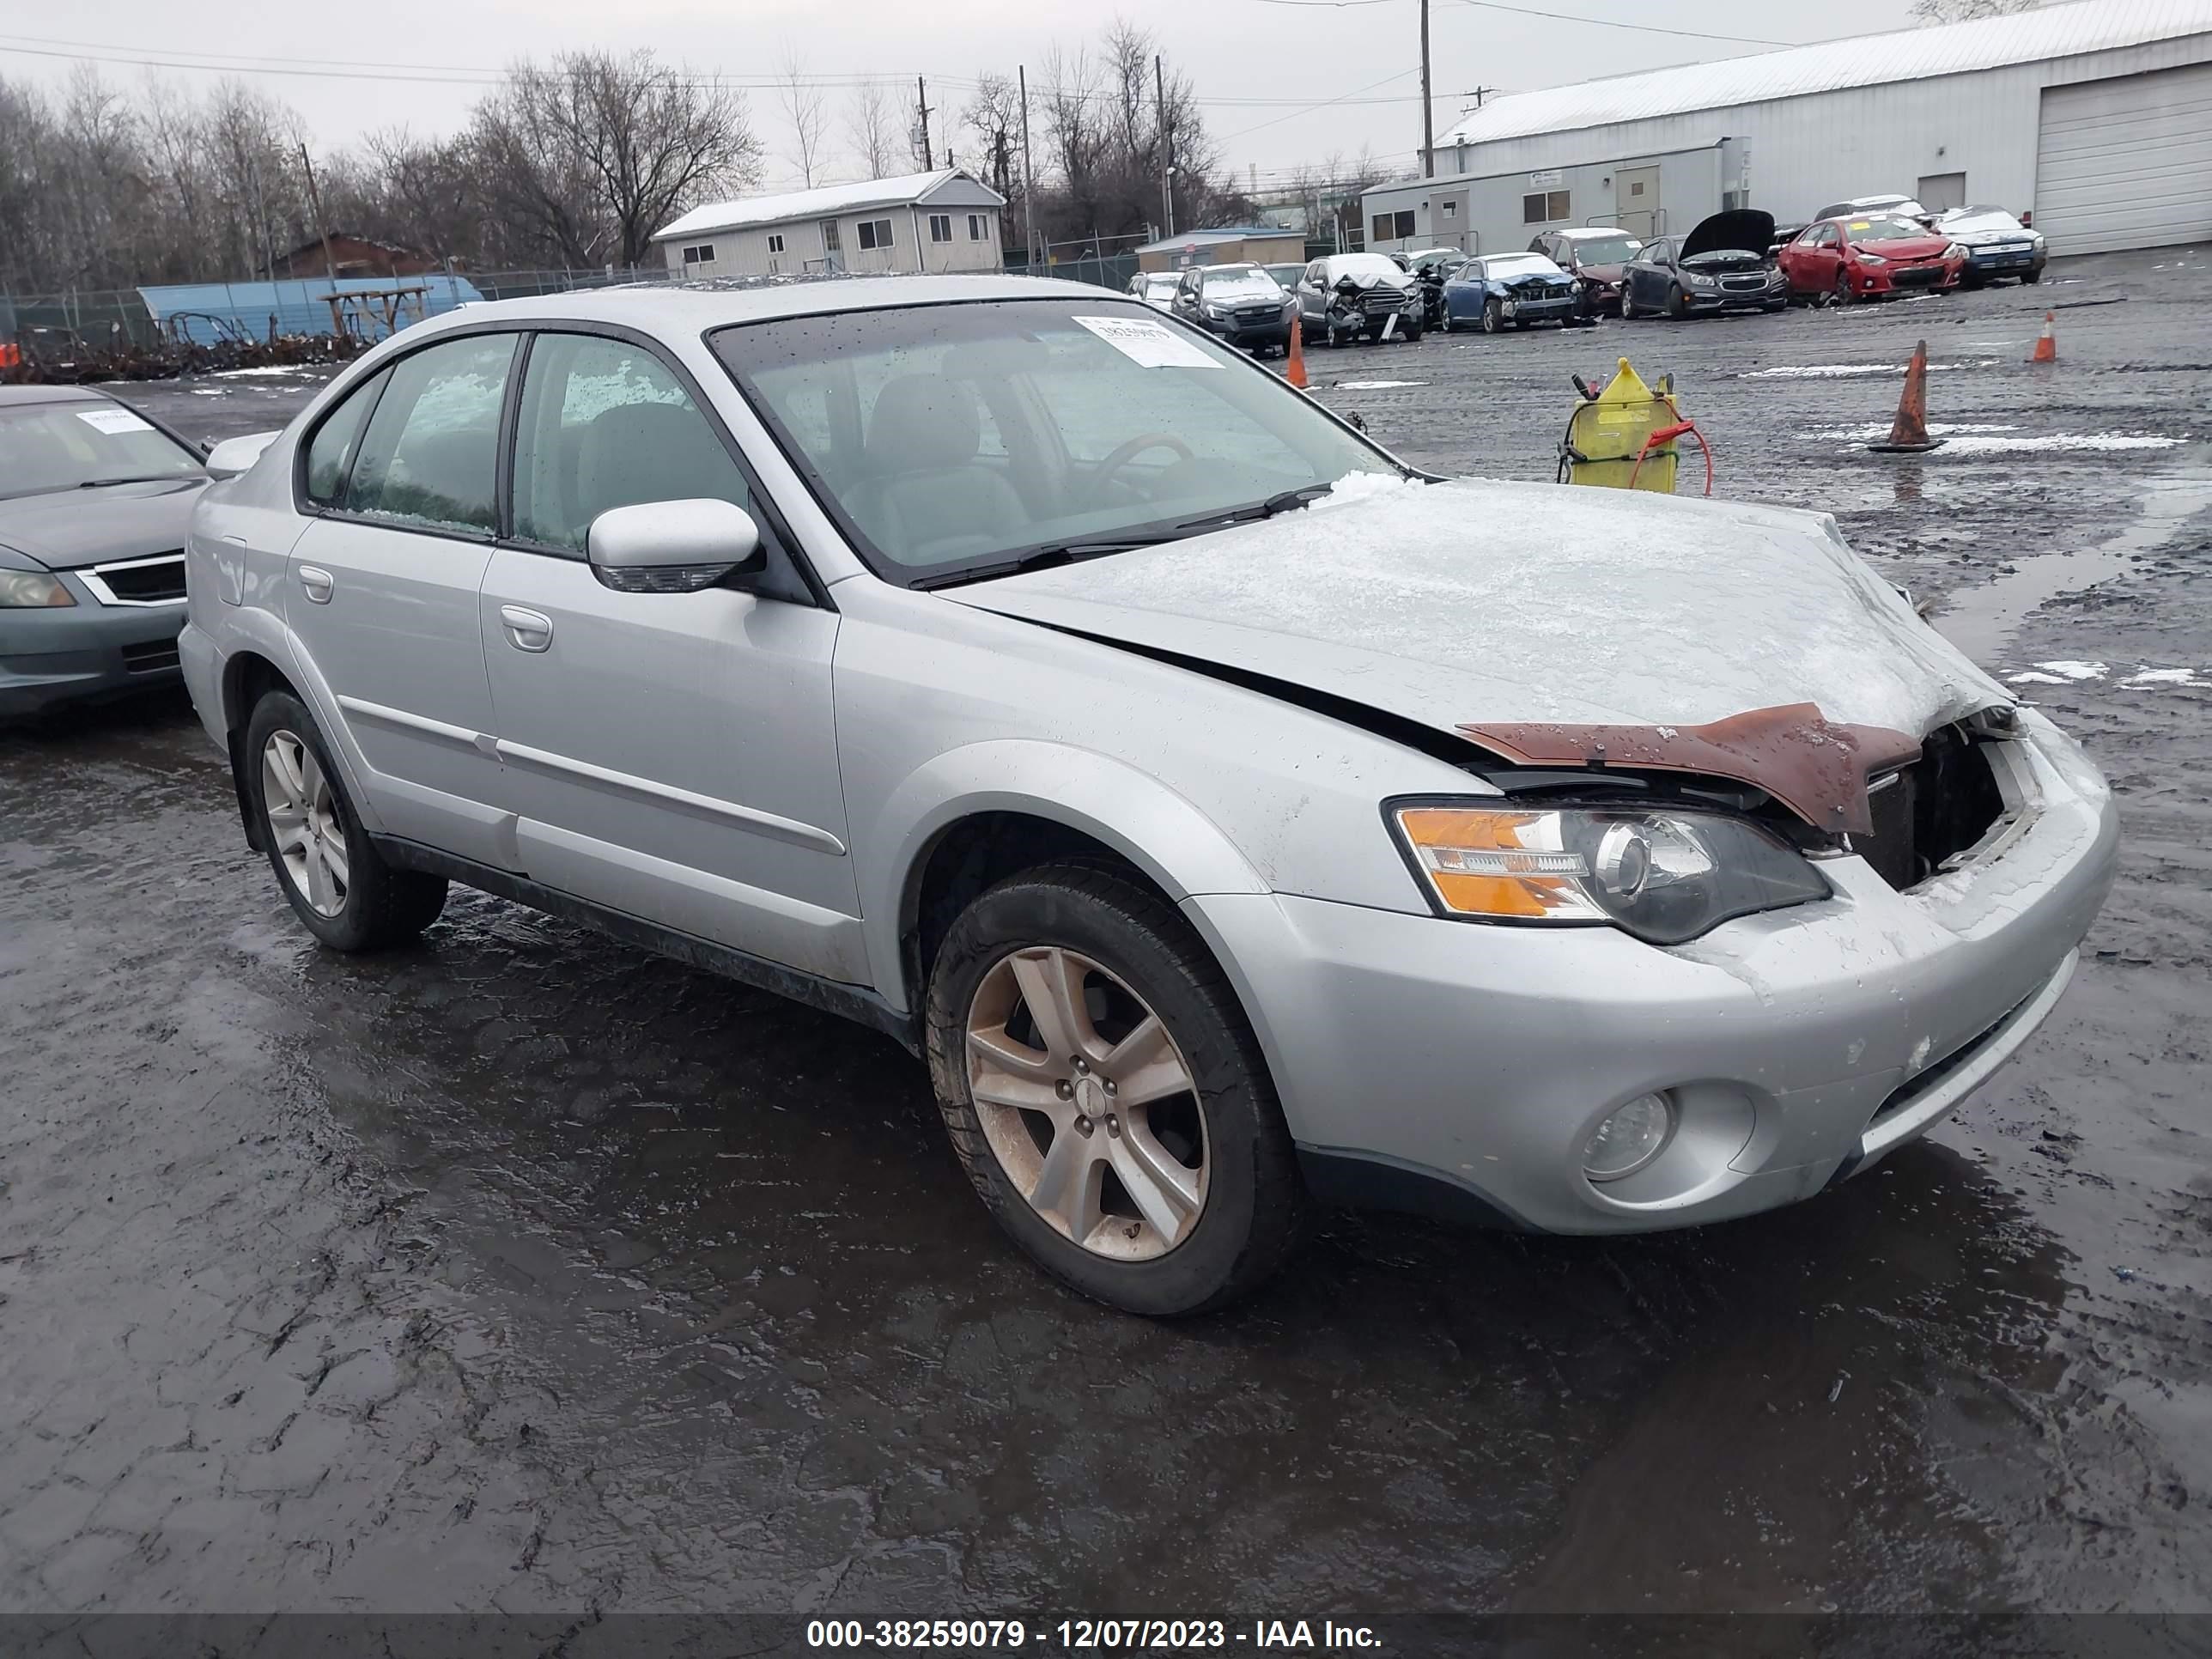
[{"x": 1089, "y": 1635}]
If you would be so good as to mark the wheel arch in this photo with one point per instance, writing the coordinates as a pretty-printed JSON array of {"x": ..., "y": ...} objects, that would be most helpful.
[
  {"x": 247, "y": 676},
  {"x": 975, "y": 816}
]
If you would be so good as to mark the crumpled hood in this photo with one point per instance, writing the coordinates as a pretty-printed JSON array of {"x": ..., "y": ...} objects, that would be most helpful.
[
  {"x": 69, "y": 528},
  {"x": 1482, "y": 602}
]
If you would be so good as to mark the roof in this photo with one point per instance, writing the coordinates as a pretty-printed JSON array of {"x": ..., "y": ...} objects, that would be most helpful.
[
  {"x": 1215, "y": 236},
  {"x": 822, "y": 201},
  {"x": 1861, "y": 61}
]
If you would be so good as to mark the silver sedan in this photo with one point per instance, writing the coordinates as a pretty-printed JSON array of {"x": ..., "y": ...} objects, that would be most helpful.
[{"x": 1237, "y": 819}]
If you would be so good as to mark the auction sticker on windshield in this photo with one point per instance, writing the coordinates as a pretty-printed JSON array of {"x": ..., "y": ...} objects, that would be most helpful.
[
  {"x": 1148, "y": 343},
  {"x": 112, "y": 420}
]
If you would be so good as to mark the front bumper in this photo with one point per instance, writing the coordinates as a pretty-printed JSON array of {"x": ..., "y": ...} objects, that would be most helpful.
[
  {"x": 1986, "y": 267},
  {"x": 1460, "y": 1065},
  {"x": 1761, "y": 299},
  {"x": 1882, "y": 282},
  {"x": 84, "y": 652},
  {"x": 1238, "y": 331},
  {"x": 1540, "y": 311}
]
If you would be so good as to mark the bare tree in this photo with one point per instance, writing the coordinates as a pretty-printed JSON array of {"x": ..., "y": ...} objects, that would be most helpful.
[
  {"x": 593, "y": 154},
  {"x": 1961, "y": 11},
  {"x": 868, "y": 126},
  {"x": 803, "y": 105},
  {"x": 994, "y": 116}
]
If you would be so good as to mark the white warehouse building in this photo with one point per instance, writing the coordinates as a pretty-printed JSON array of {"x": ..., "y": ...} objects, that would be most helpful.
[
  {"x": 2095, "y": 116},
  {"x": 919, "y": 222}
]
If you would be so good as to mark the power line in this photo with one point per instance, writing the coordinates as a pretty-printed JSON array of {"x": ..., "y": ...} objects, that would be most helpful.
[
  {"x": 1615, "y": 23},
  {"x": 1324, "y": 103}
]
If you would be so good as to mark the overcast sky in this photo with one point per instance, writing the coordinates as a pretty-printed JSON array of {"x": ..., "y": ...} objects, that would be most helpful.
[{"x": 1242, "y": 54}]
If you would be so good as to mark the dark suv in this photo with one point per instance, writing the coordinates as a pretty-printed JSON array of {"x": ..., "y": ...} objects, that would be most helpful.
[{"x": 1242, "y": 304}]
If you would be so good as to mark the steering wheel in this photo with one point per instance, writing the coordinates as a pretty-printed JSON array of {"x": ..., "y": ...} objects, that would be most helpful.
[{"x": 1125, "y": 453}]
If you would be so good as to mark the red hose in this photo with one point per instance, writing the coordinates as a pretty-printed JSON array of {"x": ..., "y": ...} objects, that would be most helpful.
[{"x": 1668, "y": 435}]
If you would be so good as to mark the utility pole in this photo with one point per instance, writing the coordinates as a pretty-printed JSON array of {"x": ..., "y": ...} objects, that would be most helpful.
[
  {"x": 921, "y": 104},
  {"x": 1028, "y": 179},
  {"x": 1167, "y": 145},
  {"x": 315, "y": 201},
  {"x": 1428, "y": 107}
]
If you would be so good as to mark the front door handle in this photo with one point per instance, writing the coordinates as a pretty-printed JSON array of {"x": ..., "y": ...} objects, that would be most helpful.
[
  {"x": 316, "y": 583},
  {"x": 526, "y": 630}
]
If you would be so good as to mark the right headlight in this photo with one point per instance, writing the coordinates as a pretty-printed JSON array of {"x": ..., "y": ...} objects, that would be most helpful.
[
  {"x": 32, "y": 589},
  {"x": 1665, "y": 876}
]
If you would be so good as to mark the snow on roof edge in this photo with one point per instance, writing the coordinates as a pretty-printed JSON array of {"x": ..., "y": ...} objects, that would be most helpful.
[{"x": 900, "y": 190}]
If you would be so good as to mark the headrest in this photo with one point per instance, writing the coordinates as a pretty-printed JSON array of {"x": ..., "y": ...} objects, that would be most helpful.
[{"x": 922, "y": 423}]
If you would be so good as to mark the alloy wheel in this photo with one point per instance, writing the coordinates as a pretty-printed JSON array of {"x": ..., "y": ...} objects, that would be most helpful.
[
  {"x": 304, "y": 826},
  {"x": 1088, "y": 1104}
]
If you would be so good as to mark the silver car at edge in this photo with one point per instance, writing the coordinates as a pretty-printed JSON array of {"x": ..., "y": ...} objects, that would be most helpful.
[{"x": 1237, "y": 819}]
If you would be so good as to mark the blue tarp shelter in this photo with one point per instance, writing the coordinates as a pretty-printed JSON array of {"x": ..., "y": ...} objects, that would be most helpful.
[{"x": 301, "y": 306}]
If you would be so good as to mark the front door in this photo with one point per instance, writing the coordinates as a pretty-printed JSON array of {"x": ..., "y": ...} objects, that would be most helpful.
[
  {"x": 381, "y": 592},
  {"x": 1636, "y": 202},
  {"x": 669, "y": 755}
]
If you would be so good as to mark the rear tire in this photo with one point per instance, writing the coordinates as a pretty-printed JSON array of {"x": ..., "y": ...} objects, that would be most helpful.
[
  {"x": 330, "y": 872},
  {"x": 1122, "y": 954}
]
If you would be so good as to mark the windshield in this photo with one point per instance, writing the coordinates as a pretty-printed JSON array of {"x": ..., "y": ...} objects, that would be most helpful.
[
  {"x": 1286, "y": 274},
  {"x": 1970, "y": 219},
  {"x": 951, "y": 438},
  {"x": 1522, "y": 265},
  {"x": 1883, "y": 228},
  {"x": 1240, "y": 285},
  {"x": 1606, "y": 250},
  {"x": 1159, "y": 288},
  {"x": 66, "y": 445},
  {"x": 1363, "y": 264}
]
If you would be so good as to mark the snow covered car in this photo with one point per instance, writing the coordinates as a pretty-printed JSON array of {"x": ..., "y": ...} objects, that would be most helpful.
[
  {"x": 1723, "y": 264},
  {"x": 1510, "y": 290},
  {"x": 1358, "y": 296},
  {"x": 1870, "y": 257},
  {"x": 1597, "y": 257},
  {"x": 1236, "y": 818},
  {"x": 1241, "y": 303},
  {"x": 1997, "y": 244},
  {"x": 1156, "y": 289}
]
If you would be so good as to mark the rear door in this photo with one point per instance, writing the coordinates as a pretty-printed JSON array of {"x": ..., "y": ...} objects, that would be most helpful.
[
  {"x": 380, "y": 591},
  {"x": 669, "y": 755}
]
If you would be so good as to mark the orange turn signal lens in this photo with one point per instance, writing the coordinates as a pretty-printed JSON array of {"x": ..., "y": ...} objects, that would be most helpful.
[{"x": 1508, "y": 864}]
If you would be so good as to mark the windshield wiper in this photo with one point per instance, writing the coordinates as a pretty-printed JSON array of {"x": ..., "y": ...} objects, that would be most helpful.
[
  {"x": 1044, "y": 558},
  {"x": 149, "y": 477},
  {"x": 1282, "y": 501}
]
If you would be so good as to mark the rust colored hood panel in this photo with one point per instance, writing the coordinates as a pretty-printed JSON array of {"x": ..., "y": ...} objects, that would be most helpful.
[{"x": 1813, "y": 765}]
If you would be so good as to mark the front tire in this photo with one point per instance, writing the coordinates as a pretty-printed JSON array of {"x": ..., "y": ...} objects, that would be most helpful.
[
  {"x": 1493, "y": 317},
  {"x": 1105, "y": 1094},
  {"x": 335, "y": 882}
]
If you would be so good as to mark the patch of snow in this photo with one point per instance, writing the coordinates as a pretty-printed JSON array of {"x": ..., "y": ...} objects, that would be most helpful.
[
  {"x": 2076, "y": 670},
  {"x": 208, "y": 392},
  {"x": 1375, "y": 386},
  {"x": 2144, "y": 677},
  {"x": 1844, "y": 371},
  {"x": 2091, "y": 440},
  {"x": 265, "y": 370},
  {"x": 1363, "y": 487},
  {"x": 2030, "y": 677},
  {"x": 1881, "y": 429}
]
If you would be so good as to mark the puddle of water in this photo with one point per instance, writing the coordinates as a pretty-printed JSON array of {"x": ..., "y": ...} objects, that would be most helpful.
[{"x": 1979, "y": 619}]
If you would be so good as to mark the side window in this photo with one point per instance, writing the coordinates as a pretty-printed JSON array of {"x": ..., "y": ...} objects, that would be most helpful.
[
  {"x": 430, "y": 456},
  {"x": 605, "y": 424},
  {"x": 336, "y": 442}
]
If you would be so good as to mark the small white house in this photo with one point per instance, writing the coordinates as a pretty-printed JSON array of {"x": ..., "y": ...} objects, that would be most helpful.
[{"x": 921, "y": 221}]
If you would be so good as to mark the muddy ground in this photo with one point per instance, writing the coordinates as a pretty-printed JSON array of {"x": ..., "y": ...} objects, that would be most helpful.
[{"x": 522, "y": 1271}]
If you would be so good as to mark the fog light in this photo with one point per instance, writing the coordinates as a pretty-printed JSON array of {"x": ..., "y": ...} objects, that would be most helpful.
[{"x": 1630, "y": 1138}]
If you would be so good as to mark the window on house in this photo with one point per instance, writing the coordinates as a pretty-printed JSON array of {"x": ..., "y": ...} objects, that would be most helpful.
[
  {"x": 1543, "y": 208},
  {"x": 1451, "y": 210},
  {"x": 974, "y": 227},
  {"x": 940, "y": 226},
  {"x": 1381, "y": 227},
  {"x": 702, "y": 255},
  {"x": 875, "y": 233},
  {"x": 1405, "y": 224},
  {"x": 775, "y": 241}
]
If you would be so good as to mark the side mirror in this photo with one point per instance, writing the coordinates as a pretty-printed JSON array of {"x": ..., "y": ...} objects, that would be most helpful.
[
  {"x": 673, "y": 547},
  {"x": 236, "y": 455}
]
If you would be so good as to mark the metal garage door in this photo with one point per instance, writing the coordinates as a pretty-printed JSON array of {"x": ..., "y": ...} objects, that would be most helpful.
[{"x": 2126, "y": 162}]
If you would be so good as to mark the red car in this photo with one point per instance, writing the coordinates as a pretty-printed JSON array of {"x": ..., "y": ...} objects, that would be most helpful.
[{"x": 1869, "y": 256}]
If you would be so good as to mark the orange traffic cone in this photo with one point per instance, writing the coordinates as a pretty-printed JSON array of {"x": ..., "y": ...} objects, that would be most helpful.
[
  {"x": 1294, "y": 371},
  {"x": 2046, "y": 348},
  {"x": 1909, "y": 434}
]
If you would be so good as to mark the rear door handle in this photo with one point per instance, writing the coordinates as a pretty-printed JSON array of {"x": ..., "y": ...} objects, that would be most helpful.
[
  {"x": 316, "y": 583},
  {"x": 526, "y": 630}
]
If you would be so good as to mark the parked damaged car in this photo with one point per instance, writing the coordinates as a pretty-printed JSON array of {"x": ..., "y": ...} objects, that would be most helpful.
[
  {"x": 1870, "y": 256},
  {"x": 1597, "y": 257},
  {"x": 94, "y": 500},
  {"x": 1997, "y": 244},
  {"x": 1510, "y": 290},
  {"x": 1235, "y": 819},
  {"x": 1358, "y": 296},
  {"x": 1723, "y": 264},
  {"x": 1241, "y": 303},
  {"x": 1156, "y": 288}
]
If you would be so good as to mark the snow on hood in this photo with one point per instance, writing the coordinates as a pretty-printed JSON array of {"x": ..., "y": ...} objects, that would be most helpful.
[
  {"x": 64, "y": 529},
  {"x": 1484, "y": 602}
]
